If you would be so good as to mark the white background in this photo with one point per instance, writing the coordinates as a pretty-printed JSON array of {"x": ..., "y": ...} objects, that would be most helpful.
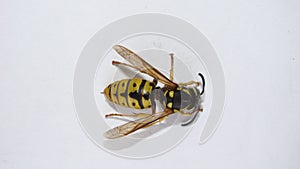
[{"x": 257, "y": 43}]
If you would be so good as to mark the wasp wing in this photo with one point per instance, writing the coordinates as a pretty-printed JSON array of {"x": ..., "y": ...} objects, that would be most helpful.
[
  {"x": 132, "y": 126},
  {"x": 143, "y": 66}
]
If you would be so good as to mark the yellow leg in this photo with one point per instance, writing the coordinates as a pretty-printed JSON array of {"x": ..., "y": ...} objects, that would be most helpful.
[
  {"x": 192, "y": 112},
  {"x": 186, "y": 114},
  {"x": 135, "y": 115},
  {"x": 172, "y": 66},
  {"x": 190, "y": 83}
]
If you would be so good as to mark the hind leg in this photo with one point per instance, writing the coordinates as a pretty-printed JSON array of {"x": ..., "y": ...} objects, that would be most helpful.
[{"x": 134, "y": 115}]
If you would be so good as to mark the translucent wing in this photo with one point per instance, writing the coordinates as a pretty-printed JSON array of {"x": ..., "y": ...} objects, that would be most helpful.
[
  {"x": 143, "y": 66},
  {"x": 132, "y": 126}
]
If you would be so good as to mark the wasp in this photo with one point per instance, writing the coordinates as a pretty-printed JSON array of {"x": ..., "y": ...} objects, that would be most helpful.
[{"x": 137, "y": 93}]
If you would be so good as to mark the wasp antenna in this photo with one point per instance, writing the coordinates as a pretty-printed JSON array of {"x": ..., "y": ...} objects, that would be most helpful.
[
  {"x": 203, "y": 82},
  {"x": 191, "y": 120},
  {"x": 101, "y": 92}
]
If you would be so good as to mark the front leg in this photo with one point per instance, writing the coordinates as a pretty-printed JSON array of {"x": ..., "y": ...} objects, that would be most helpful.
[{"x": 190, "y": 83}]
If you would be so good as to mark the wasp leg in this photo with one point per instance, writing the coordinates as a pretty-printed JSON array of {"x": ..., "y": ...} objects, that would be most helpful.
[
  {"x": 172, "y": 66},
  {"x": 135, "y": 115},
  {"x": 190, "y": 83},
  {"x": 186, "y": 114}
]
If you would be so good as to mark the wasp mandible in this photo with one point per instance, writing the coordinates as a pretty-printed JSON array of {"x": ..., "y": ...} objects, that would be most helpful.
[{"x": 137, "y": 93}]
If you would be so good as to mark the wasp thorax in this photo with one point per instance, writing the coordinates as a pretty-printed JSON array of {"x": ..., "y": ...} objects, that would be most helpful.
[{"x": 181, "y": 99}]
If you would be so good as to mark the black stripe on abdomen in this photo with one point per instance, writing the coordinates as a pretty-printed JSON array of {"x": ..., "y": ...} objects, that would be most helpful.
[
  {"x": 117, "y": 91},
  {"x": 138, "y": 94},
  {"x": 125, "y": 94}
]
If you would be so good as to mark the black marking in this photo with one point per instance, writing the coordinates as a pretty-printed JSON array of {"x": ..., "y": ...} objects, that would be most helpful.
[
  {"x": 177, "y": 99},
  {"x": 134, "y": 84},
  {"x": 203, "y": 82},
  {"x": 153, "y": 86},
  {"x": 138, "y": 94},
  {"x": 109, "y": 91},
  {"x": 116, "y": 94},
  {"x": 133, "y": 104},
  {"x": 146, "y": 96},
  {"x": 123, "y": 84},
  {"x": 125, "y": 94}
]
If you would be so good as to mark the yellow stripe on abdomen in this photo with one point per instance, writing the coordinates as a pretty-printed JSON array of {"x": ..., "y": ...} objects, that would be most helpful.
[
  {"x": 114, "y": 90},
  {"x": 133, "y": 87},
  {"x": 122, "y": 92}
]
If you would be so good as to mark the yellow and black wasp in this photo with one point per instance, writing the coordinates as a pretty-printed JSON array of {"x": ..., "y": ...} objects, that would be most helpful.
[{"x": 139, "y": 93}]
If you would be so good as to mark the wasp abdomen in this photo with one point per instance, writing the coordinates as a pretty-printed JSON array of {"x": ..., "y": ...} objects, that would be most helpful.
[{"x": 133, "y": 93}]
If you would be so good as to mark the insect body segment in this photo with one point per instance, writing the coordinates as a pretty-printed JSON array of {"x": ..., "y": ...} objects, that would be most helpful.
[
  {"x": 139, "y": 94},
  {"x": 132, "y": 93},
  {"x": 181, "y": 98}
]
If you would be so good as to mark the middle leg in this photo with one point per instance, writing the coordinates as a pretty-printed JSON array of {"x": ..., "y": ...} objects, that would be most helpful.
[{"x": 172, "y": 66}]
